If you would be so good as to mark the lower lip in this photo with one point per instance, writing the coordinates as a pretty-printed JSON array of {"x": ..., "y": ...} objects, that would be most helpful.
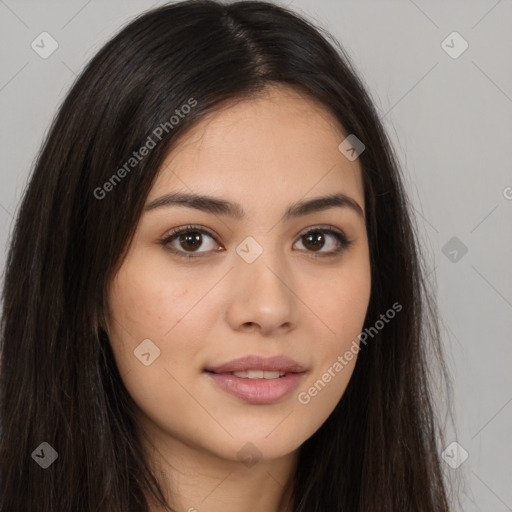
[{"x": 257, "y": 391}]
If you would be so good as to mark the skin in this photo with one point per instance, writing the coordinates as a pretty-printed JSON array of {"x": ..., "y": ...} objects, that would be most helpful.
[{"x": 265, "y": 153}]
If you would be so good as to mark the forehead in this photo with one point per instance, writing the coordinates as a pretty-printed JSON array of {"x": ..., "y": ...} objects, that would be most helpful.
[{"x": 274, "y": 146}]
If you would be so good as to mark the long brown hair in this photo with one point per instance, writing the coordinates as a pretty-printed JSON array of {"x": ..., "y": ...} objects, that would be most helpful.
[{"x": 377, "y": 451}]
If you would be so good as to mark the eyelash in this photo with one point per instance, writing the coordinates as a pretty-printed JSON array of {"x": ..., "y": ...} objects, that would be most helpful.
[{"x": 340, "y": 237}]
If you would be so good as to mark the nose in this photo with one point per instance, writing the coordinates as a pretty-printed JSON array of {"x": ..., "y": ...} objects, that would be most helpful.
[{"x": 262, "y": 297}]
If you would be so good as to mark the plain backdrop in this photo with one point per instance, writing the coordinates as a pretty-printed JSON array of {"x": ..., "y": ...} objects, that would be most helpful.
[{"x": 448, "y": 113}]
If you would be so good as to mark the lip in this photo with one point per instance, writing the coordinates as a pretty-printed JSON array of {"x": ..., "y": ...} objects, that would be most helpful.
[
  {"x": 253, "y": 362},
  {"x": 258, "y": 391}
]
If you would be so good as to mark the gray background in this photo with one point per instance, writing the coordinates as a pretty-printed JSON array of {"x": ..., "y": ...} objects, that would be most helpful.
[{"x": 450, "y": 120}]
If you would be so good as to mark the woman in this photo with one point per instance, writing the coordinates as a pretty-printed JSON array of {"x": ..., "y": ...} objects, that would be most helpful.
[{"x": 213, "y": 297}]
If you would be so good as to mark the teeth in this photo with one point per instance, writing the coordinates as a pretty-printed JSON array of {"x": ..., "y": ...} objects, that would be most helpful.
[{"x": 259, "y": 374}]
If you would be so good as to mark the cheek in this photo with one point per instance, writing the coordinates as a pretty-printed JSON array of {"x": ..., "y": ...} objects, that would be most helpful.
[
  {"x": 147, "y": 304},
  {"x": 341, "y": 307},
  {"x": 150, "y": 298},
  {"x": 150, "y": 313},
  {"x": 340, "y": 303}
]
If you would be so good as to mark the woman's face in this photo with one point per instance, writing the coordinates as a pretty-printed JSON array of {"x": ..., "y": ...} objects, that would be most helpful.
[{"x": 256, "y": 285}]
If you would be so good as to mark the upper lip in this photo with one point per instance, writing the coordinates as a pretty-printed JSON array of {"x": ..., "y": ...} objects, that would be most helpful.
[{"x": 253, "y": 362}]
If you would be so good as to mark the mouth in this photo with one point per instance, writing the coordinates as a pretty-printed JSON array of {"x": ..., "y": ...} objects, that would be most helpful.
[
  {"x": 255, "y": 374},
  {"x": 258, "y": 380},
  {"x": 254, "y": 363}
]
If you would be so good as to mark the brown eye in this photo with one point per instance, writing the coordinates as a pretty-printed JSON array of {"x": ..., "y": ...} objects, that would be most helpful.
[
  {"x": 191, "y": 240},
  {"x": 333, "y": 241},
  {"x": 314, "y": 240}
]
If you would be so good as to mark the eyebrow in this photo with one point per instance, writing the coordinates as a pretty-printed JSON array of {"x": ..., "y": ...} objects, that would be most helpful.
[{"x": 219, "y": 206}]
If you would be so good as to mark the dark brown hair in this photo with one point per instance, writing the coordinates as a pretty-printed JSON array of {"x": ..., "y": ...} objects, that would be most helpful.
[{"x": 59, "y": 383}]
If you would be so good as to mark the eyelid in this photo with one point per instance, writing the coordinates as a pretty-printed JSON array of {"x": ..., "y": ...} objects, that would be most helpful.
[
  {"x": 339, "y": 234},
  {"x": 342, "y": 239},
  {"x": 189, "y": 227},
  {"x": 184, "y": 229}
]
